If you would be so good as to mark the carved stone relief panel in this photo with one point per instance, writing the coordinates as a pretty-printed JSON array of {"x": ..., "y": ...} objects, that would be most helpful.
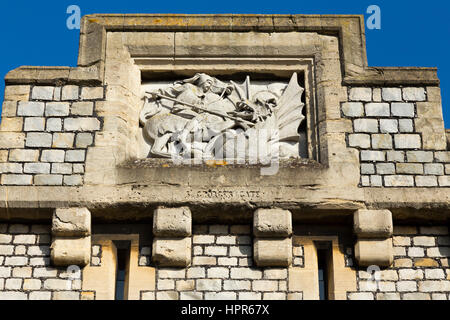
[{"x": 206, "y": 118}]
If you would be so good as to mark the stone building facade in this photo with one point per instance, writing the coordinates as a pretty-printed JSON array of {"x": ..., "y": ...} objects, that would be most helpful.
[{"x": 85, "y": 214}]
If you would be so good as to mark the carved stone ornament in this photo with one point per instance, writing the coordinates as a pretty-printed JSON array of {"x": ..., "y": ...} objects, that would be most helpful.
[{"x": 205, "y": 118}]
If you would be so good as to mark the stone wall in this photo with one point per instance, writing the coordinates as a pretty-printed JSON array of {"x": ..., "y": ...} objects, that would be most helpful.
[
  {"x": 396, "y": 136},
  {"x": 222, "y": 268},
  {"x": 420, "y": 270},
  {"x": 45, "y": 132},
  {"x": 25, "y": 269}
]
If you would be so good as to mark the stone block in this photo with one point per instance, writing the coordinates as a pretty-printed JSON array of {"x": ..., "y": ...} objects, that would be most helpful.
[
  {"x": 385, "y": 168},
  {"x": 92, "y": 93},
  {"x": 30, "y": 109},
  {"x": 57, "y": 109},
  {"x": 366, "y": 125},
  {"x": 419, "y": 156},
  {"x": 54, "y": 124},
  {"x": 353, "y": 109},
  {"x": 399, "y": 181},
  {"x": 38, "y": 167},
  {"x": 272, "y": 223},
  {"x": 392, "y": 94},
  {"x": 409, "y": 168},
  {"x": 273, "y": 252},
  {"x": 10, "y": 140},
  {"x": 407, "y": 141},
  {"x": 48, "y": 180},
  {"x": 53, "y": 155},
  {"x": 414, "y": 94},
  {"x": 17, "y": 93},
  {"x": 71, "y": 222},
  {"x": 372, "y": 223},
  {"x": 11, "y": 124},
  {"x": 70, "y": 93},
  {"x": 16, "y": 179},
  {"x": 73, "y": 180},
  {"x": 81, "y": 124},
  {"x": 172, "y": 252},
  {"x": 172, "y": 222},
  {"x": 34, "y": 124},
  {"x": 359, "y": 140},
  {"x": 70, "y": 251},
  {"x": 75, "y": 155},
  {"x": 434, "y": 169},
  {"x": 377, "y": 109},
  {"x": 374, "y": 252},
  {"x": 381, "y": 141},
  {"x": 360, "y": 94},
  {"x": 35, "y": 139},
  {"x": 42, "y": 93},
  {"x": 63, "y": 140},
  {"x": 388, "y": 126},
  {"x": 426, "y": 181},
  {"x": 369, "y": 155},
  {"x": 405, "y": 110},
  {"x": 405, "y": 125},
  {"x": 82, "y": 109}
]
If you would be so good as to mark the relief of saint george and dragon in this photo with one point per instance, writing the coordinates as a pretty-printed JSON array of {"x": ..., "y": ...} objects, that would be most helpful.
[{"x": 205, "y": 118}]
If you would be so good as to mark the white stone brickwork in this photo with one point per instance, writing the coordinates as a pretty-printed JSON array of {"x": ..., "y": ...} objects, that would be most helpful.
[
  {"x": 25, "y": 269},
  {"x": 46, "y": 134},
  {"x": 420, "y": 270},
  {"x": 391, "y": 145},
  {"x": 222, "y": 268}
]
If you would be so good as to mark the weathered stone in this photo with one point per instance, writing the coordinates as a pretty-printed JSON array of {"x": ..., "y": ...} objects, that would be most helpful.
[
  {"x": 91, "y": 93},
  {"x": 70, "y": 251},
  {"x": 17, "y": 92},
  {"x": 407, "y": 141},
  {"x": 54, "y": 124},
  {"x": 11, "y": 168},
  {"x": 35, "y": 139},
  {"x": 273, "y": 252},
  {"x": 388, "y": 126},
  {"x": 11, "y": 124},
  {"x": 53, "y": 155},
  {"x": 353, "y": 109},
  {"x": 63, "y": 140},
  {"x": 71, "y": 222},
  {"x": 70, "y": 93},
  {"x": 392, "y": 94},
  {"x": 426, "y": 181},
  {"x": 359, "y": 140},
  {"x": 395, "y": 156},
  {"x": 434, "y": 169},
  {"x": 48, "y": 180},
  {"x": 82, "y": 109},
  {"x": 366, "y": 125},
  {"x": 172, "y": 252},
  {"x": 42, "y": 93},
  {"x": 34, "y": 124},
  {"x": 374, "y": 252},
  {"x": 405, "y": 125},
  {"x": 419, "y": 156},
  {"x": 414, "y": 94},
  {"x": 385, "y": 168},
  {"x": 172, "y": 222},
  {"x": 75, "y": 155},
  {"x": 367, "y": 155},
  {"x": 56, "y": 109},
  {"x": 30, "y": 109},
  {"x": 360, "y": 94},
  {"x": 377, "y": 110},
  {"x": 272, "y": 223},
  {"x": 409, "y": 168},
  {"x": 81, "y": 124},
  {"x": 16, "y": 179},
  {"x": 381, "y": 141},
  {"x": 373, "y": 223},
  {"x": 73, "y": 180},
  {"x": 367, "y": 168},
  {"x": 36, "y": 167}
]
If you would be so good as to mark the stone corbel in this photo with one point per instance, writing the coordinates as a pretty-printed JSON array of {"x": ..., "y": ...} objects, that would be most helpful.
[
  {"x": 373, "y": 229},
  {"x": 272, "y": 245},
  {"x": 172, "y": 228},
  {"x": 71, "y": 237}
]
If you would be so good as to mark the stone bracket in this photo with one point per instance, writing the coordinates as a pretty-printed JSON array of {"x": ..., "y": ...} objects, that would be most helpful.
[
  {"x": 272, "y": 245},
  {"x": 373, "y": 229},
  {"x": 172, "y": 228},
  {"x": 71, "y": 237}
]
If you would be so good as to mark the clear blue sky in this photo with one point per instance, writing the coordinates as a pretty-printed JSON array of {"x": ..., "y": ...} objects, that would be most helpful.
[{"x": 413, "y": 33}]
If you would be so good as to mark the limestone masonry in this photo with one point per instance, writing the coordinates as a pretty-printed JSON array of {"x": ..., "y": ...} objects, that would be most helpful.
[{"x": 113, "y": 184}]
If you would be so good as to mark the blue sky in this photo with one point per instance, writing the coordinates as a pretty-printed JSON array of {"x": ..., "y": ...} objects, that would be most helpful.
[{"x": 413, "y": 33}]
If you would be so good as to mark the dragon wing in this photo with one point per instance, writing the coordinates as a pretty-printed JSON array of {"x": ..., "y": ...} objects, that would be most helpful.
[{"x": 289, "y": 110}]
